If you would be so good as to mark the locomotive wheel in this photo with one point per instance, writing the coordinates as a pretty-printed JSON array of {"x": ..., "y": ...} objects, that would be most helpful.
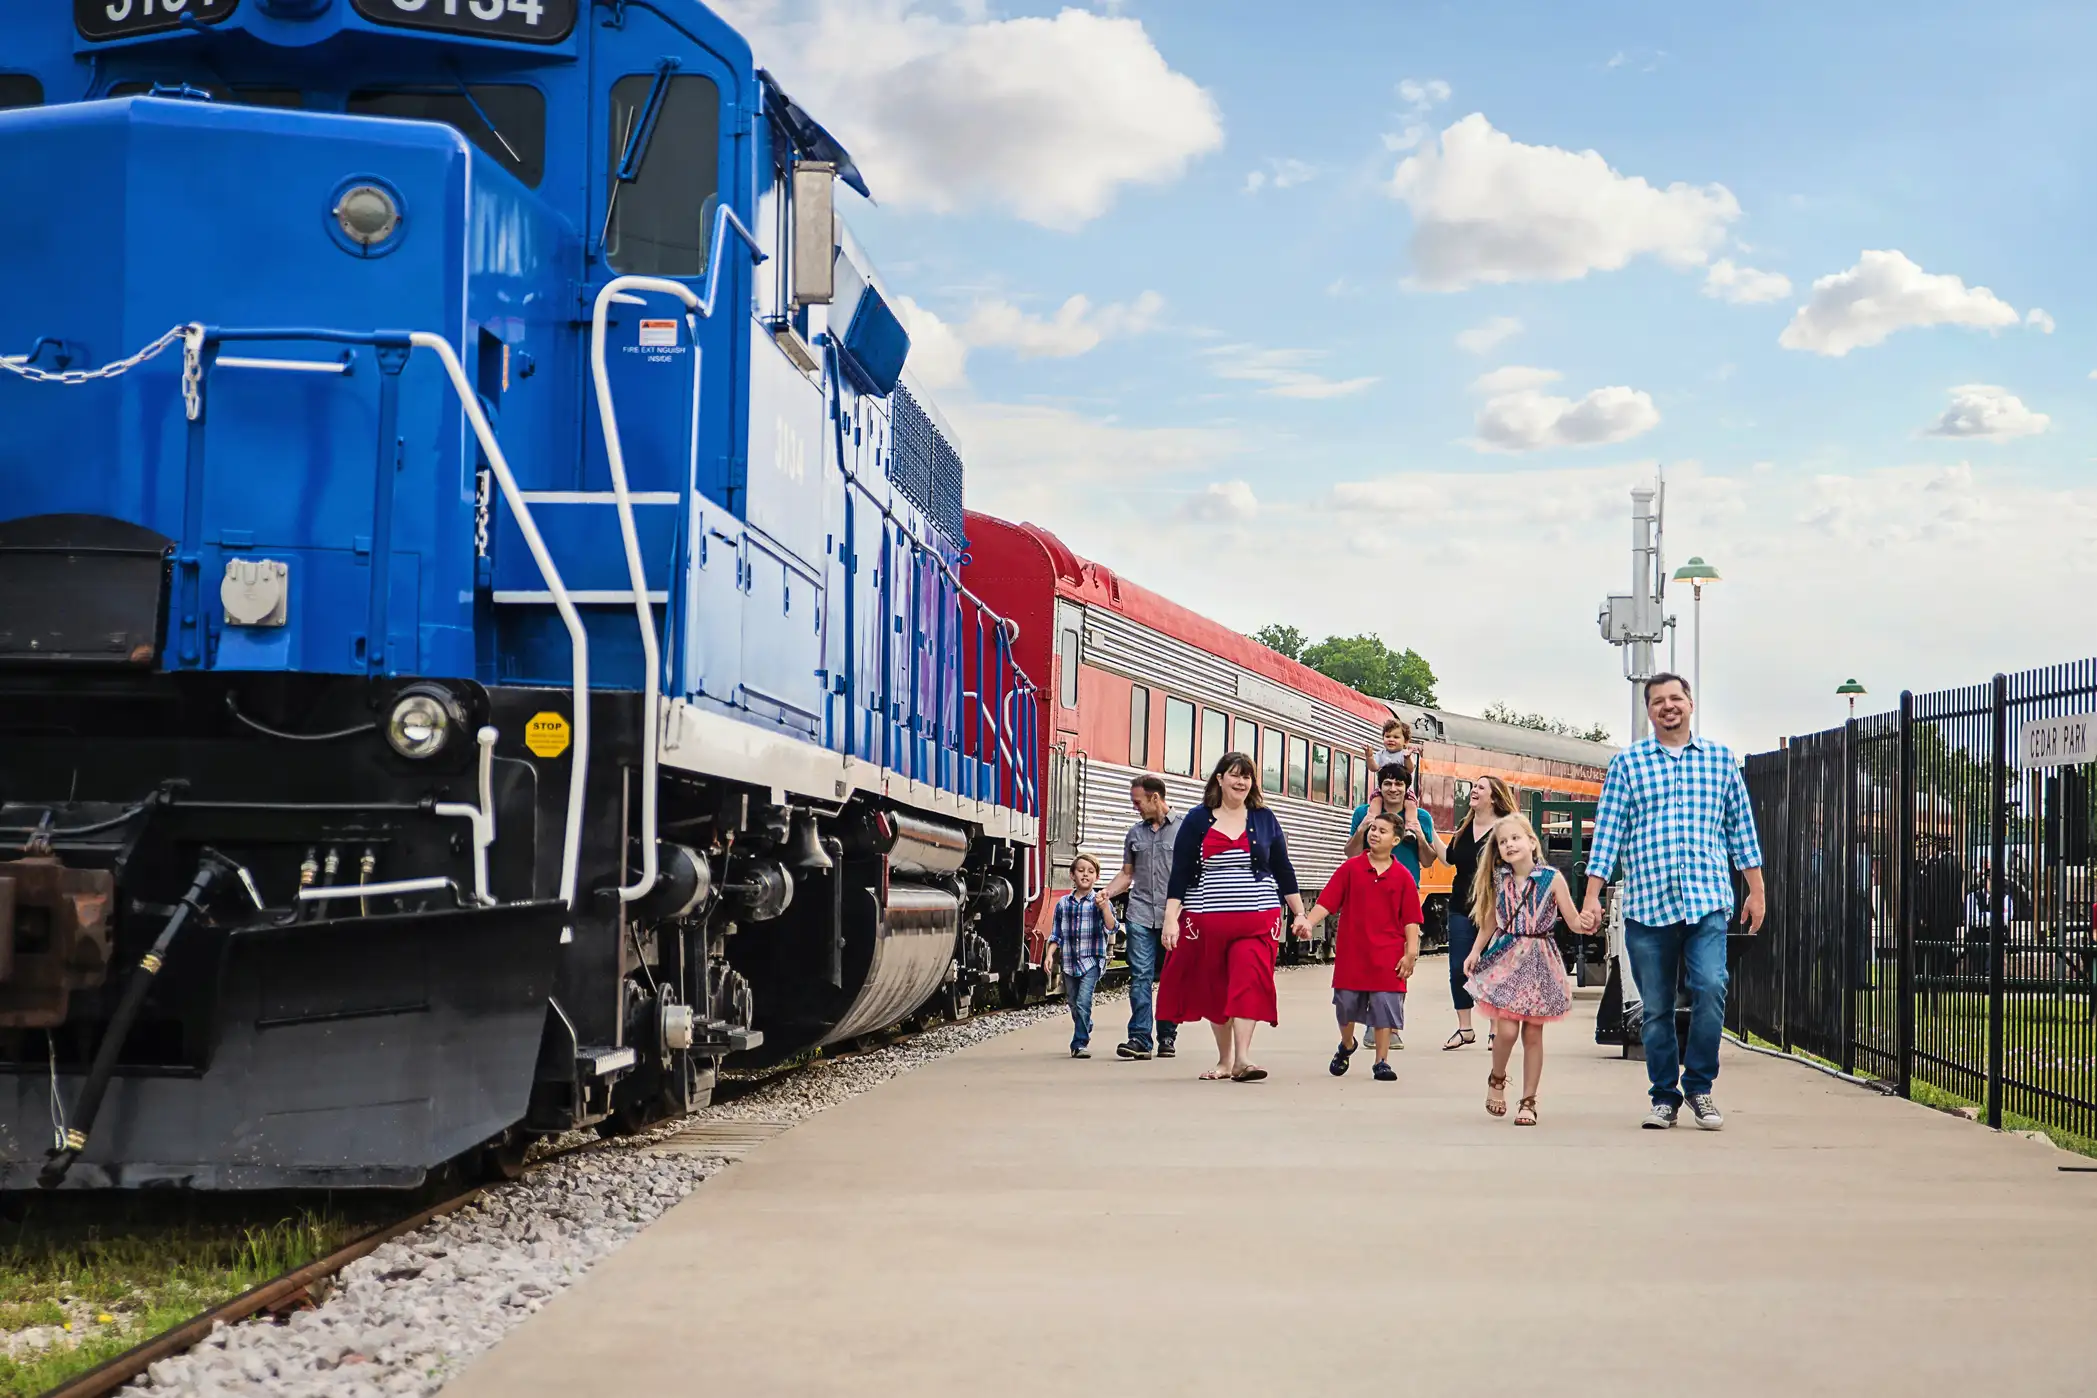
[{"x": 503, "y": 1157}]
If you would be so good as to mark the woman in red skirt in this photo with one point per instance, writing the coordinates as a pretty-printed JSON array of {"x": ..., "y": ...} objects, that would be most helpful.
[{"x": 1223, "y": 916}]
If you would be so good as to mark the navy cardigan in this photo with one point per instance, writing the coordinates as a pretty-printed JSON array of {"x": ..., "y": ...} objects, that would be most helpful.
[{"x": 1270, "y": 851}]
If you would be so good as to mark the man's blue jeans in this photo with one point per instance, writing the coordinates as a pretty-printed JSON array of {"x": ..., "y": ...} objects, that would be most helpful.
[
  {"x": 1077, "y": 990},
  {"x": 1662, "y": 958},
  {"x": 1146, "y": 960}
]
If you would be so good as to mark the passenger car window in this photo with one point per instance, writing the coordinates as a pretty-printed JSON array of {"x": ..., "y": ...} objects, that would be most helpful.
[
  {"x": 1179, "y": 737},
  {"x": 1139, "y": 726},
  {"x": 1271, "y": 761},
  {"x": 658, "y": 224},
  {"x": 1215, "y": 738},
  {"x": 20, "y": 90},
  {"x": 1342, "y": 779},
  {"x": 1321, "y": 770},
  {"x": 1067, "y": 662},
  {"x": 1299, "y": 766},
  {"x": 509, "y": 125}
]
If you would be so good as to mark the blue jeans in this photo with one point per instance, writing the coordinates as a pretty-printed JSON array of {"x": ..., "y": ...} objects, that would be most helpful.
[
  {"x": 1146, "y": 960},
  {"x": 1462, "y": 934},
  {"x": 1662, "y": 958},
  {"x": 1077, "y": 990}
]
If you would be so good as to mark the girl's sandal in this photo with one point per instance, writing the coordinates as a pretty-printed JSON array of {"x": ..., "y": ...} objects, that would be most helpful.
[
  {"x": 1525, "y": 1114},
  {"x": 1460, "y": 1039},
  {"x": 1496, "y": 1094}
]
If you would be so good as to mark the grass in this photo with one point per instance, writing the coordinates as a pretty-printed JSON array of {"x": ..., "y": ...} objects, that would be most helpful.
[{"x": 116, "y": 1271}]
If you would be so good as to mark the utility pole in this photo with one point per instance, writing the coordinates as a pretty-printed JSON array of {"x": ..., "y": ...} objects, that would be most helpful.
[{"x": 1637, "y": 620}]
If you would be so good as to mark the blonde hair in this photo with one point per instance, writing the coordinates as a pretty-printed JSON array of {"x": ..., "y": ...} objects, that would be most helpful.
[
  {"x": 1085, "y": 859},
  {"x": 1486, "y": 884}
]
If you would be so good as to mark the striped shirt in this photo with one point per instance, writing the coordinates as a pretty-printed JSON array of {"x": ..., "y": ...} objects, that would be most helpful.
[
  {"x": 1679, "y": 824},
  {"x": 1081, "y": 930},
  {"x": 1228, "y": 884}
]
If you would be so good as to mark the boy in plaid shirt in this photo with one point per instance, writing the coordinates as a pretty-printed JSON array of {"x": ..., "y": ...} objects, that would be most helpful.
[{"x": 1079, "y": 922}]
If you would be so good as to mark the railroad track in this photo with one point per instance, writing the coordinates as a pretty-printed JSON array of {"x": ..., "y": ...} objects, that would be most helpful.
[{"x": 305, "y": 1285}]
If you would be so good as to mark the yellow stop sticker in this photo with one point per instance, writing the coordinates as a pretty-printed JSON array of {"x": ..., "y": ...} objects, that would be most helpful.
[{"x": 546, "y": 735}]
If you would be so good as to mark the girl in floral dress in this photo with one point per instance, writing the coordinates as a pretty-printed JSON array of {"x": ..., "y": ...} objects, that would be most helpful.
[{"x": 1516, "y": 973}]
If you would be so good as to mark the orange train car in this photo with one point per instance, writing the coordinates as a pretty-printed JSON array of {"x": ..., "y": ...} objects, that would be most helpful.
[{"x": 1137, "y": 683}]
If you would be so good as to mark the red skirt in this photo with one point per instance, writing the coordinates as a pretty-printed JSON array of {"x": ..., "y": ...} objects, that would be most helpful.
[{"x": 1222, "y": 969}]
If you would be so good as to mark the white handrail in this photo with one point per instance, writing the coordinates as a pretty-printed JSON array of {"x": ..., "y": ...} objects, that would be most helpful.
[
  {"x": 696, "y": 308},
  {"x": 578, "y": 639}
]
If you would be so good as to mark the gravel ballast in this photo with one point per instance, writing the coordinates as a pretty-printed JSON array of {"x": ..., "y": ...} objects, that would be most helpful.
[{"x": 411, "y": 1314}]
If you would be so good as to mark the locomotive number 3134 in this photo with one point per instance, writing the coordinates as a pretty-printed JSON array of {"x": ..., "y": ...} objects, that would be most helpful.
[{"x": 535, "y": 21}]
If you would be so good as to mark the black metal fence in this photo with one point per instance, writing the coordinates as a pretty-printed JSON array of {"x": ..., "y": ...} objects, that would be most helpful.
[{"x": 1931, "y": 909}]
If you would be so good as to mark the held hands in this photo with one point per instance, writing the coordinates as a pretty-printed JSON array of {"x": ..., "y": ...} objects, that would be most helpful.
[
  {"x": 1300, "y": 929},
  {"x": 1591, "y": 916}
]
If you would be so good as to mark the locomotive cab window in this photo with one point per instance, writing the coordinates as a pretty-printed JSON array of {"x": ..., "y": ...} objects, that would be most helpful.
[
  {"x": 1067, "y": 664},
  {"x": 507, "y": 121},
  {"x": 1271, "y": 761},
  {"x": 1139, "y": 726},
  {"x": 665, "y": 176},
  {"x": 1179, "y": 737},
  {"x": 237, "y": 95},
  {"x": 20, "y": 90}
]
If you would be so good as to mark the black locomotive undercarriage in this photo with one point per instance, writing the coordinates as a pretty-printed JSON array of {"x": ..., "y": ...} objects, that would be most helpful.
[{"x": 195, "y": 992}]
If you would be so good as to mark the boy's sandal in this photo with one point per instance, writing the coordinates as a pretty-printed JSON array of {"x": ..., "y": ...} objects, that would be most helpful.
[
  {"x": 1496, "y": 1094},
  {"x": 1340, "y": 1055},
  {"x": 1525, "y": 1114},
  {"x": 1459, "y": 1039}
]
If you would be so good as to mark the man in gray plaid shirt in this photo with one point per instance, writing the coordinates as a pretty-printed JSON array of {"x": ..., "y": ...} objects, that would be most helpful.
[{"x": 1674, "y": 810}]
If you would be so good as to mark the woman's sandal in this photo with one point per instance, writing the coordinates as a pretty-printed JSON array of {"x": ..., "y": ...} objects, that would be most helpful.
[
  {"x": 1496, "y": 1083},
  {"x": 1215, "y": 1075},
  {"x": 1251, "y": 1072},
  {"x": 1459, "y": 1039},
  {"x": 1525, "y": 1114}
]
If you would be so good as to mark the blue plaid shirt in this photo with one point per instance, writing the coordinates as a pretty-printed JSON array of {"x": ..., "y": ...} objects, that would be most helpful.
[
  {"x": 1081, "y": 930},
  {"x": 1679, "y": 825}
]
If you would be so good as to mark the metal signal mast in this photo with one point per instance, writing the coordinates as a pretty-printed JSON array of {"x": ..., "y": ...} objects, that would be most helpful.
[{"x": 1638, "y": 620}]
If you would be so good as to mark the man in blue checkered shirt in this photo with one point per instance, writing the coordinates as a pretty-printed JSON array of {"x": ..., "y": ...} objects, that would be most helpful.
[
  {"x": 1674, "y": 811},
  {"x": 1081, "y": 923}
]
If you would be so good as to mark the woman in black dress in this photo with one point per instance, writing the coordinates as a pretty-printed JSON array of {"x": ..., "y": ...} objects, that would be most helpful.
[{"x": 1491, "y": 799}]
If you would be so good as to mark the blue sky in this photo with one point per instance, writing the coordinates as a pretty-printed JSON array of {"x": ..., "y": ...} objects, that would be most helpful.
[{"x": 1386, "y": 306}]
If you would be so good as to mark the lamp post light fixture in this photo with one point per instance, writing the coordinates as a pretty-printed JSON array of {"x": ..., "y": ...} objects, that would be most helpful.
[
  {"x": 1696, "y": 572},
  {"x": 1851, "y": 688}
]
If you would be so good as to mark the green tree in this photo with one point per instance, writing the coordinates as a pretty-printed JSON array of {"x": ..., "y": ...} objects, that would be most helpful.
[
  {"x": 1503, "y": 713},
  {"x": 1284, "y": 640},
  {"x": 1367, "y": 664}
]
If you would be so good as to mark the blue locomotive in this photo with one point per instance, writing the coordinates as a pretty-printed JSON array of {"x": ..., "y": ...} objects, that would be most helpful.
[{"x": 481, "y": 629}]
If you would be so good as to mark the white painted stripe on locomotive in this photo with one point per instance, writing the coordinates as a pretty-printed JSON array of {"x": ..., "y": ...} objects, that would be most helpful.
[
  {"x": 1317, "y": 834},
  {"x": 527, "y": 597},
  {"x": 295, "y": 366},
  {"x": 1150, "y": 657},
  {"x": 709, "y": 744},
  {"x": 600, "y": 497}
]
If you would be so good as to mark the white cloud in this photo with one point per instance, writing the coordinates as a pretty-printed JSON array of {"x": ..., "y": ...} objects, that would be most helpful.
[
  {"x": 1420, "y": 98},
  {"x": 1089, "y": 475},
  {"x": 1987, "y": 412},
  {"x": 1885, "y": 292},
  {"x": 1281, "y": 372},
  {"x": 1044, "y": 118},
  {"x": 1744, "y": 285},
  {"x": 1488, "y": 208},
  {"x": 1223, "y": 502},
  {"x": 939, "y": 349},
  {"x": 938, "y": 356},
  {"x": 2039, "y": 321},
  {"x": 1282, "y": 172},
  {"x": 1486, "y": 334},
  {"x": 1076, "y": 328},
  {"x": 1518, "y": 415}
]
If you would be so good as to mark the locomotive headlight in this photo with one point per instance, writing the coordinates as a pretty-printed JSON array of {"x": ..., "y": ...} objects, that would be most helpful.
[{"x": 422, "y": 722}]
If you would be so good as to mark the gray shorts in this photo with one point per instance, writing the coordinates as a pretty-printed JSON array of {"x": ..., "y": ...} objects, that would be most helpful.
[{"x": 1378, "y": 1009}]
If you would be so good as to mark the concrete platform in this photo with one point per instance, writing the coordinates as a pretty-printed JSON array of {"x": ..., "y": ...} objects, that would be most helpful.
[{"x": 1011, "y": 1222}]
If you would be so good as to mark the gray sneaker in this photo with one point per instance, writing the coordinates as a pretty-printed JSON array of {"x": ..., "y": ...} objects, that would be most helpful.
[
  {"x": 1662, "y": 1116},
  {"x": 1706, "y": 1111}
]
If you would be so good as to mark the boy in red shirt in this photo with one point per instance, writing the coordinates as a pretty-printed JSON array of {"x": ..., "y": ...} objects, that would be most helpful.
[{"x": 1378, "y": 942}]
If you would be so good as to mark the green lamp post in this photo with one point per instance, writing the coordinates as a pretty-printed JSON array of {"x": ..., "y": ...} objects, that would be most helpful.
[
  {"x": 1696, "y": 572},
  {"x": 1851, "y": 688}
]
